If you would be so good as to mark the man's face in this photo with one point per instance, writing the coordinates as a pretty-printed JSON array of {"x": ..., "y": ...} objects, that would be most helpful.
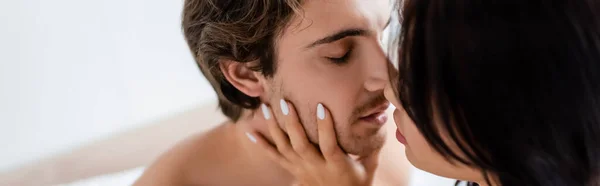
[{"x": 332, "y": 54}]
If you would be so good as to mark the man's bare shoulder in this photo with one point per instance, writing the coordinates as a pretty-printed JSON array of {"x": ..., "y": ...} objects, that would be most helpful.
[{"x": 192, "y": 160}]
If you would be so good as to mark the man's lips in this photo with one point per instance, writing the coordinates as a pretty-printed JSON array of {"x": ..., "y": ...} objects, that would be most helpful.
[
  {"x": 378, "y": 118},
  {"x": 380, "y": 108},
  {"x": 377, "y": 115}
]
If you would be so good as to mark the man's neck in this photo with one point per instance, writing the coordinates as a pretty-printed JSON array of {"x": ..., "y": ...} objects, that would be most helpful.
[{"x": 255, "y": 122}]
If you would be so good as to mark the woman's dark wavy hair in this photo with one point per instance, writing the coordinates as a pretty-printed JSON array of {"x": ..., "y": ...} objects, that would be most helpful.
[{"x": 515, "y": 84}]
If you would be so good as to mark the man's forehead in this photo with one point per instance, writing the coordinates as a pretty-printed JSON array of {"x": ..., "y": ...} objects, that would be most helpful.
[{"x": 322, "y": 18}]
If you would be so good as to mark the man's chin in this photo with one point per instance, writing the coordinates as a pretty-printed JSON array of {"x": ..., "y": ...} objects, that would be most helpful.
[{"x": 361, "y": 146}]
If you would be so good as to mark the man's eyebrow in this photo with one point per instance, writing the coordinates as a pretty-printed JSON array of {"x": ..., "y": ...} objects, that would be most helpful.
[{"x": 337, "y": 36}]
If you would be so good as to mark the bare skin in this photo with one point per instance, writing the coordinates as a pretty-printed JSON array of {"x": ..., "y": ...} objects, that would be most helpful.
[
  {"x": 332, "y": 54},
  {"x": 224, "y": 156}
]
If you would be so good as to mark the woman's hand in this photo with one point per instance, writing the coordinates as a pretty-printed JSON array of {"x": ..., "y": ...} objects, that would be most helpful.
[{"x": 327, "y": 166}]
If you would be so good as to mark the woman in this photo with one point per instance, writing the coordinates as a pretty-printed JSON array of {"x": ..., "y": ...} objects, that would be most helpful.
[{"x": 493, "y": 92}]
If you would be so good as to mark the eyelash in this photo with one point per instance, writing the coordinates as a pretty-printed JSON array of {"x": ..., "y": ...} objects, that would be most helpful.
[{"x": 341, "y": 60}]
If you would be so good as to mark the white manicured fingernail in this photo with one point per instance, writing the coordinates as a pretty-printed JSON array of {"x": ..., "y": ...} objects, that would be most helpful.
[
  {"x": 284, "y": 107},
  {"x": 266, "y": 112},
  {"x": 320, "y": 111},
  {"x": 251, "y": 137}
]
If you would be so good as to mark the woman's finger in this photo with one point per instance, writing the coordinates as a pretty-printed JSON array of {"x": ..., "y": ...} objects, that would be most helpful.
[
  {"x": 327, "y": 138},
  {"x": 269, "y": 150},
  {"x": 297, "y": 135},
  {"x": 279, "y": 137}
]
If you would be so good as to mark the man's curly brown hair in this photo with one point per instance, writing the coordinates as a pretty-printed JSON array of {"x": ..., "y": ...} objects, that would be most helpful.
[{"x": 235, "y": 30}]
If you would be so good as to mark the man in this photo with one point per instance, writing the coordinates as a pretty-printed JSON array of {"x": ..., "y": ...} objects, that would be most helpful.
[{"x": 306, "y": 51}]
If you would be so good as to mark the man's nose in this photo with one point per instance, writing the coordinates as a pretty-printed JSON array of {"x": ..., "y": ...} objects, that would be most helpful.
[{"x": 377, "y": 68}]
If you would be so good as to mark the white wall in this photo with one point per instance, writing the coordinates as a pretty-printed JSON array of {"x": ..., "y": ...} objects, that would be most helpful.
[{"x": 72, "y": 71}]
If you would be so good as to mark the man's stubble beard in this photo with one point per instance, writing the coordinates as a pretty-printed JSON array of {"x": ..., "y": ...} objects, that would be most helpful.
[{"x": 349, "y": 142}]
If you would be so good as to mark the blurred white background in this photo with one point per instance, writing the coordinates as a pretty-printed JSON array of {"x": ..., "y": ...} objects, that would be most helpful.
[{"x": 74, "y": 71}]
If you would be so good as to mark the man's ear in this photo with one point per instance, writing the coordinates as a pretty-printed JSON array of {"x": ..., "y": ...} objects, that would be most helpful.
[{"x": 242, "y": 77}]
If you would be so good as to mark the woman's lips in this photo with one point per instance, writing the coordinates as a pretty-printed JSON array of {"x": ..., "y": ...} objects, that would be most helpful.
[{"x": 400, "y": 137}]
